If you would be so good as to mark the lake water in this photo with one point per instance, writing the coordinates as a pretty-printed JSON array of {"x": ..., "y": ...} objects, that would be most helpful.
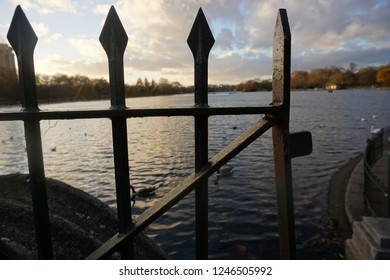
[{"x": 242, "y": 207}]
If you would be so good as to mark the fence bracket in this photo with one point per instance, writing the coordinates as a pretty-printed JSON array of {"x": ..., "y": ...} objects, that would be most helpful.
[{"x": 299, "y": 144}]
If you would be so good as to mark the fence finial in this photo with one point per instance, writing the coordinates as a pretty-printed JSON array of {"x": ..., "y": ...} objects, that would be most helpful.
[
  {"x": 200, "y": 41},
  {"x": 23, "y": 40},
  {"x": 281, "y": 61},
  {"x": 114, "y": 41},
  {"x": 200, "y": 37}
]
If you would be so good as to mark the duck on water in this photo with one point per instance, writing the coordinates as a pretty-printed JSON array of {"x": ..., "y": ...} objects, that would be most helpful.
[
  {"x": 150, "y": 191},
  {"x": 225, "y": 171}
]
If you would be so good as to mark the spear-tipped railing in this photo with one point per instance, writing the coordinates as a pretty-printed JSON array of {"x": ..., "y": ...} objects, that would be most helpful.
[
  {"x": 23, "y": 40},
  {"x": 114, "y": 40},
  {"x": 200, "y": 41}
]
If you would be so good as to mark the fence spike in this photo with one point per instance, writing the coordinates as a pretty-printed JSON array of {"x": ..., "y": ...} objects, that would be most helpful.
[
  {"x": 200, "y": 38},
  {"x": 23, "y": 40},
  {"x": 200, "y": 41},
  {"x": 281, "y": 60},
  {"x": 114, "y": 41}
]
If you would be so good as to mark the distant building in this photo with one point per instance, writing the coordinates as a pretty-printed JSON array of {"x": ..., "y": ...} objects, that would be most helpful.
[
  {"x": 335, "y": 86},
  {"x": 331, "y": 86},
  {"x": 7, "y": 60}
]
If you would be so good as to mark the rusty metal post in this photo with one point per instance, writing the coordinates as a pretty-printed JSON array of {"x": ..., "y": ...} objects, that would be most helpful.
[
  {"x": 114, "y": 40},
  {"x": 200, "y": 41},
  {"x": 23, "y": 40},
  {"x": 280, "y": 135}
]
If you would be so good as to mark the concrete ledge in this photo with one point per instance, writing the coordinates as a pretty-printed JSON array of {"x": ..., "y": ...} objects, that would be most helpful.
[
  {"x": 368, "y": 237},
  {"x": 354, "y": 199},
  {"x": 371, "y": 235},
  {"x": 379, "y": 230}
]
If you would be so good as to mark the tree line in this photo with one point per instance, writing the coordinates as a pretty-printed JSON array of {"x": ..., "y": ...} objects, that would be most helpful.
[
  {"x": 59, "y": 87},
  {"x": 342, "y": 78},
  {"x": 144, "y": 87},
  {"x": 332, "y": 77},
  {"x": 254, "y": 85},
  {"x": 62, "y": 87}
]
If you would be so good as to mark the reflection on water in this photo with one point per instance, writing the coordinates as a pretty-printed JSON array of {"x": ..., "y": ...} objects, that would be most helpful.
[{"x": 242, "y": 217}]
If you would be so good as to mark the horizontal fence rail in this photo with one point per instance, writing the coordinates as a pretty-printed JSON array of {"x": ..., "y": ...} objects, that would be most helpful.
[
  {"x": 113, "y": 38},
  {"x": 139, "y": 113}
]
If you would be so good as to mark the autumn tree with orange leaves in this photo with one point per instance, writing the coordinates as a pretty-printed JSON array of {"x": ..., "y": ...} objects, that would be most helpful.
[{"x": 383, "y": 76}]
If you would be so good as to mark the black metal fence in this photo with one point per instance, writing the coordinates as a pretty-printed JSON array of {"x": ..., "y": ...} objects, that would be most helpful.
[
  {"x": 376, "y": 191},
  {"x": 114, "y": 40}
]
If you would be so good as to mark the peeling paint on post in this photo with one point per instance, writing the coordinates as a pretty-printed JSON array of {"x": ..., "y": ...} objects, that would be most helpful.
[{"x": 280, "y": 135}]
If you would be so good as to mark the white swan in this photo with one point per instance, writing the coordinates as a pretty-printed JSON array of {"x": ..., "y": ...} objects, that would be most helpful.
[
  {"x": 374, "y": 130},
  {"x": 225, "y": 171}
]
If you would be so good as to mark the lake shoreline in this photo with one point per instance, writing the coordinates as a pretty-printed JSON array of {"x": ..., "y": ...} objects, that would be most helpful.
[{"x": 57, "y": 101}]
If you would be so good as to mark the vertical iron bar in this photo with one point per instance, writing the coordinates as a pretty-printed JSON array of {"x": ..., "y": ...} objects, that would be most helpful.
[
  {"x": 280, "y": 135},
  {"x": 114, "y": 40},
  {"x": 200, "y": 41},
  {"x": 23, "y": 40}
]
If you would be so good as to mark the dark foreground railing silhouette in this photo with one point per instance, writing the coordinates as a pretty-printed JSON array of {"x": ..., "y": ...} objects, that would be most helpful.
[
  {"x": 376, "y": 191},
  {"x": 114, "y": 40}
]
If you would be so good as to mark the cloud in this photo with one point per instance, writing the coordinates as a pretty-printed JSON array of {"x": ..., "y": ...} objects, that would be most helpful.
[
  {"x": 47, "y": 6},
  {"x": 243, "y": 30},
  {"x": 333, "y": 22},
  {"x": 327, "y": 32},
  {"x": 89, "y": 48},
  {"x": 101, "y": 9},
  {"x": 43, "y": 32},
  {"x": 158, "y": 31},
  {"x": 40, "y": 29},
  {"x": 53, "y": 37},
  {"x": 342, "y": 58},
  {"x": 52, "y": 65}
]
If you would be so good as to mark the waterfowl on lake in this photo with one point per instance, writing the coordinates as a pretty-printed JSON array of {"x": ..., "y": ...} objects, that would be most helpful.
[
  {"x": 225, "y": 171},
  {"x": 374, "y": 130},
  {"x": 144, "y": 192}
]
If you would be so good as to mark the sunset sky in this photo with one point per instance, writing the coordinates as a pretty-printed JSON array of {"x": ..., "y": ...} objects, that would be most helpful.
[{"x": 324, "y": 33}]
